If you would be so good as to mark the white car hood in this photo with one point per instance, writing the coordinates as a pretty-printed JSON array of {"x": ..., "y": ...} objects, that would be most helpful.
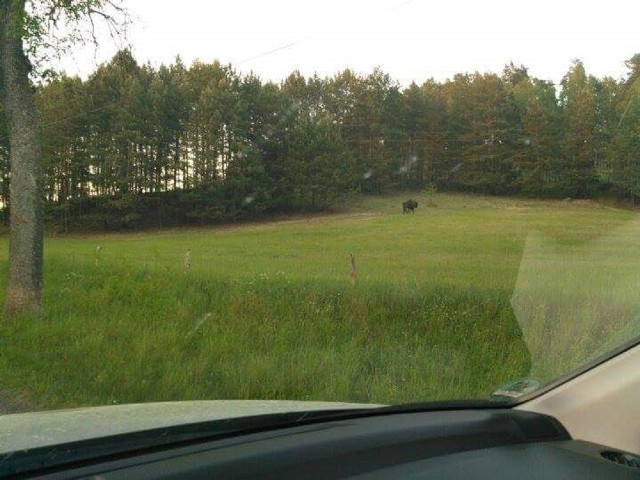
[{"x": 40, "y": 429}]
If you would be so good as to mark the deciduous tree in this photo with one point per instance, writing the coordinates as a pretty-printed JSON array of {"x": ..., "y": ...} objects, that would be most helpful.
[{"x": 27, "y": 30}]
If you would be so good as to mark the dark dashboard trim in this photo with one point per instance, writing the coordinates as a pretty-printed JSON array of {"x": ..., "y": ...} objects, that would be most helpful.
[{"x": 379, "y": 439}]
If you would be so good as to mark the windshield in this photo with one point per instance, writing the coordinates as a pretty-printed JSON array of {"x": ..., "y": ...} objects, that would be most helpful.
[{"x": 376, "y": 202}]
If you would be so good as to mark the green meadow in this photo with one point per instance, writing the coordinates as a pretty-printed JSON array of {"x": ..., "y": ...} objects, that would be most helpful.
[{"x": 449, "y": 302}]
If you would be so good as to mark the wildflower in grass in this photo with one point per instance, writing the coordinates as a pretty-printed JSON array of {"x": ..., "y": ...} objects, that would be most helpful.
[{"x": 283, "y": 276}]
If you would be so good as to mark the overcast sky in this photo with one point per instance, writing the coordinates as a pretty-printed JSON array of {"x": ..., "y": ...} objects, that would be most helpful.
[{"x": 409, "y": 39}]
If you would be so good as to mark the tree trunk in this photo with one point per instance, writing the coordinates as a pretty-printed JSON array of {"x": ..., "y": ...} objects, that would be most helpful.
[{"x": 24, "y": 284}]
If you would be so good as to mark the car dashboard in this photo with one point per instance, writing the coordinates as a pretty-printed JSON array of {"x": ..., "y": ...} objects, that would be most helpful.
[{"x": 453, "y": 444}]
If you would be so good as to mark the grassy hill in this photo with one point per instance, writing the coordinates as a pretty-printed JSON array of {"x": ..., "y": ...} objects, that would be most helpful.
[{"x": 268, "y": 310}]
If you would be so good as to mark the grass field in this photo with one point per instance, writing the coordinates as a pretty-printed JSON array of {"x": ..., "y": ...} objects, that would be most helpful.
[{"x": 267, "y": 310}]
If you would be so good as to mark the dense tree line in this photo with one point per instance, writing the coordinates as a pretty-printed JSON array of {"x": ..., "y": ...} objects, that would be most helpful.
[{"x": 135, "y": 146}]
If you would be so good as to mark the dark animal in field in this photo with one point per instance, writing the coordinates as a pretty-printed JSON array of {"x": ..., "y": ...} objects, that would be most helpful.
[{"x": 409, "y": 206}]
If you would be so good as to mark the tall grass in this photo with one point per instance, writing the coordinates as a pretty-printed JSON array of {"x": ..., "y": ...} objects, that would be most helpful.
[
  {"x": 129, "y": 334},
  {"x": 268, "y": 311}
]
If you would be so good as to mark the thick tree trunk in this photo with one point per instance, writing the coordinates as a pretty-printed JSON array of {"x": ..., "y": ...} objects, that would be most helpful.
[{"x": 26, "y": 221}]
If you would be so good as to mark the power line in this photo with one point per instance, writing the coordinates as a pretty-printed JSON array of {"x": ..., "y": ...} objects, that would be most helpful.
[
  {"x": 255, "y": 57},
  {"x": 394, "y": 6},
  {"x": 269, "y": 52}
]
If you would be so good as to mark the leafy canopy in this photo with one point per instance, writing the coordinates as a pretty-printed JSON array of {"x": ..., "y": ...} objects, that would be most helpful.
[{"x": 51, "y": 28}]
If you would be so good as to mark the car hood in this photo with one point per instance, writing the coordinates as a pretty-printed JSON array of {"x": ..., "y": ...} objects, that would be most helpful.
[{"x": 24, "y": 431}]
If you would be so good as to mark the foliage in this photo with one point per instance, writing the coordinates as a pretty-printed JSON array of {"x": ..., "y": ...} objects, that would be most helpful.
[
  {"x": 205, "y": 144},
  {"x": 52, "y": 27}
]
